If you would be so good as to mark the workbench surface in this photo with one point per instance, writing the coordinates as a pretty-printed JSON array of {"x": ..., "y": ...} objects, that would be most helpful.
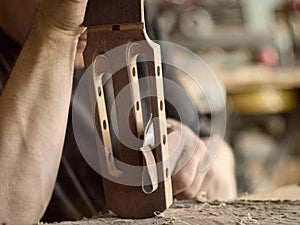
[
  {"x": 252, "y": 77},
  {"x": 192, "y": 212}
]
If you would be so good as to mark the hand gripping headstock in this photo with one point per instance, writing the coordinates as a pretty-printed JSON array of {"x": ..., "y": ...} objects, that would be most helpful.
[{"x": 142, "y": 149}]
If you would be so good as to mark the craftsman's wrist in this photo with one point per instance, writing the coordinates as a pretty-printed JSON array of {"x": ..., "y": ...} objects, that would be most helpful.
[
  {"x": 49, "y": 29},
  {"x": 64, "y": 17},
  {"x": 51, "y": 45}
]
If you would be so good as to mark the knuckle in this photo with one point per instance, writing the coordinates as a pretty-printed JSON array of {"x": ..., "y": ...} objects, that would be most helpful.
[
  {"x": 210, "y": 174},
  {"x": 183, "y": 180},
  {"x": 189, "y": 194},
  {"x": 199, "y": 149},
  {"x": 201, "y": 145}
]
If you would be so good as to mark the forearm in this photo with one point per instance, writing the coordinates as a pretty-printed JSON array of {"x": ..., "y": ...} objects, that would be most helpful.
[{"x": 33, "y": 115}]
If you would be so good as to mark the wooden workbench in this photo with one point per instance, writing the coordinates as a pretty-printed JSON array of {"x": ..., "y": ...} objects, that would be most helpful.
[
  {"x": 250, "y": 77},
  {"x": 247, "y": 211},
  {"x": 238, "y": 212}
]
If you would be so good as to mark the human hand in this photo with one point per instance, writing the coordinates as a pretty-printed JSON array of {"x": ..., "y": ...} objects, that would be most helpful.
[
  {"x": 223, "y": 183},
  {"x": 187, "y": 180},
  {"x": 188, "y": 150}
]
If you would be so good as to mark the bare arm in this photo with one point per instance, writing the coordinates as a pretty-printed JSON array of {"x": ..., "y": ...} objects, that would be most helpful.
[{"x": 33, "y": 111}]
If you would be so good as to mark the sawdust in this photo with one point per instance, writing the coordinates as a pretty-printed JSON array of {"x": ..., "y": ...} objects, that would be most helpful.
[{"x": 192, "y": 212}]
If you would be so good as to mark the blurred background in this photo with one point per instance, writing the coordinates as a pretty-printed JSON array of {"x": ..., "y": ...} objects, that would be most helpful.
[{"x": 253, "y": 48}]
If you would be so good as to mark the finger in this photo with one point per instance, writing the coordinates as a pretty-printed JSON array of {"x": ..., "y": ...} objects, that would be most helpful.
[
  {"x": 183, "y": 144},
  {"x": 175, "y": 147},
  {"x": 185, "y": 177},
  {"x": 209, "y": 175},
  {"x": 223, "y": 184},
  {"x": 200, "y": 183}
]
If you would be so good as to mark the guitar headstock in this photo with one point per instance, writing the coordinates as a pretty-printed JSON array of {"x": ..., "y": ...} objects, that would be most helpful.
[{"x": 134, "y": 172}]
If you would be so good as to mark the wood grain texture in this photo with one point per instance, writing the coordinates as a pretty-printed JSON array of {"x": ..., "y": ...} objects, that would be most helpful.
[{"x": 103, "y": 12}]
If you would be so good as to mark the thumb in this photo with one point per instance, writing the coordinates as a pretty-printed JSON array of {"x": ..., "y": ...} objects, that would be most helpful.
[
  {"x": 182, "y": 143},
  {"x": 175, "y": 147}
]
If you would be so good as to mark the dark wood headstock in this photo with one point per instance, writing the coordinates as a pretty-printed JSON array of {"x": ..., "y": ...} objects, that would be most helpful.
[{"x": 111, "y": 24}]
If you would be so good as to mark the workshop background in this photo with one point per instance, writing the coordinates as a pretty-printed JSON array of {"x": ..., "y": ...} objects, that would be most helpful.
[{"x": 253, "y": 48}]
